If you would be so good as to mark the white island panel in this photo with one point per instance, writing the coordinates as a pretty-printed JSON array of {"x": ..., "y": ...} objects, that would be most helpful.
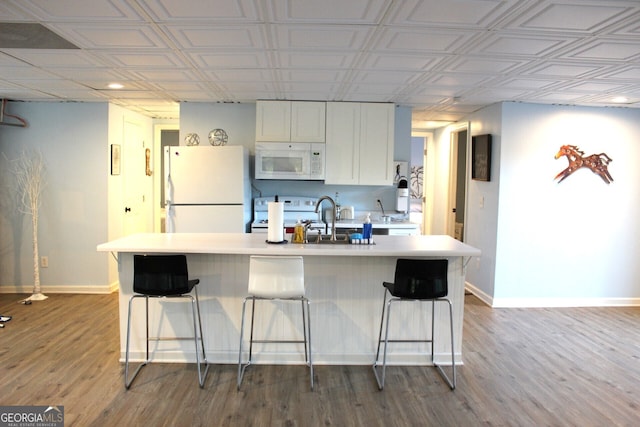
[{"x": 343, "y": 282}]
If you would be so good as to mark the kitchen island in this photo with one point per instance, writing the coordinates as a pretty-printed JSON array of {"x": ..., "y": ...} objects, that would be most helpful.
[{"x": 343, "y": 283}]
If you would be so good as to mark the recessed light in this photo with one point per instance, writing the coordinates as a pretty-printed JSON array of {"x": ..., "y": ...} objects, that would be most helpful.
[
  {"x": 115, "y": 86},
  {"x": 620, "y": 99}
]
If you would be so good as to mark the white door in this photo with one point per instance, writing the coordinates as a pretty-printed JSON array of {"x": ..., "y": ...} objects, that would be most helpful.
[{"x": 136, "y": 201}]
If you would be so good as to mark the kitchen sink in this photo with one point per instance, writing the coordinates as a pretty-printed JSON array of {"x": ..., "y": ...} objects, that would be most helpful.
[{"x": 341, "y": 239}]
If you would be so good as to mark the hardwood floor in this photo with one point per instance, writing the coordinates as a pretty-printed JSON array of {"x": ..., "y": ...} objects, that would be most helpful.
[{"x": 523, "y": 367}]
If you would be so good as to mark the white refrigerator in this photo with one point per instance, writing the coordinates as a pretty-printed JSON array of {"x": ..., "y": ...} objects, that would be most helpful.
[{"x": 207, "y": 189}]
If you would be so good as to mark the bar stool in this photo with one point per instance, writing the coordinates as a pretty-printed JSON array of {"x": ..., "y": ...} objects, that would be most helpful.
[
  {"x": 416, "y": 280},
  {"x": 165, "y": 276},
  {"x": 279, "y": 278}
]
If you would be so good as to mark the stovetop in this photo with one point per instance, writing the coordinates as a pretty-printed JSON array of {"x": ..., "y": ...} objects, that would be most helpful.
[{"x": 295, "y": 208}]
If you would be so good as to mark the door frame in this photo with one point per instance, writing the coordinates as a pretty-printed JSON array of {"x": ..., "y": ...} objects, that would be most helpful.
[
  {"x": 159, "y": 213},
  {"x": 450, "y": 217},
  {"x": 428, "y": 180}
]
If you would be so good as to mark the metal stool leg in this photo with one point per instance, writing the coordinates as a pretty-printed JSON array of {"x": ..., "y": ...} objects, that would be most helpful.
[
  {"x": 307, "y": 336},
  {"x": 451, "y": 381},
  {"x": 380, "y": 377},
  {"x": 199, "y": 337},
  {"x": 306, "y": 327},
  {"x": 128, "y": 381},
  {"x": 240, "y": 367}
]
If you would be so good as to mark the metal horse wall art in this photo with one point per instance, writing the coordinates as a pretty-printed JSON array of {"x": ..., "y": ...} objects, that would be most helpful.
[{"x": 596, "y": 162}]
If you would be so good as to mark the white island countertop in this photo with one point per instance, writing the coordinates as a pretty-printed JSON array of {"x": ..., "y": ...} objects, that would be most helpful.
[
  {"x": 343, "y": 281},
  {"x": 255, "y": 244}
]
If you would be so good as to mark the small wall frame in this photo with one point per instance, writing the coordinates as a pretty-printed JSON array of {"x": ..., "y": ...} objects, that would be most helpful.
[
  {"x": 481, "y": 157},
  {"x": 115, "y": 159}
]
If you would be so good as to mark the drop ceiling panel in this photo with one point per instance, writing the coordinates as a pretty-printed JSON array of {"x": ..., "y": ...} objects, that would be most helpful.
[
  {"x": 523, "y": 45},
  {"x": 630, "y": 73},
  {"x": 563, "y": 70},
  {"x": 414, "y": 40},
  {"x": 603, "y": 50},
  {"x": 241, "y": 75},
  {"x": 110, "y": 36},
  {"x": 484, "y": 66},
  {"x": 143, "y": 59},
  {"x": 199, "y": 10},
  {"x": 227, "y": 37},
  {"x": 454, "y": 13},
  {"x": 595, "y": 87},
  {"x": 316, "y": 60},
  {"x": 573, "y": 16},
  {"x": 229, "y": 60},
  {"x": 313, "y": 76},
  {"x": 169, "y": 75},
  {"x": 81, "y": 10},
  {"x": 330, "y": 11},
  {"x": 401, "y": 62},
  {"x": 420, "y": 53},
  {"x": 321, "y": 37},
  {"x": 55, "y": 58}
]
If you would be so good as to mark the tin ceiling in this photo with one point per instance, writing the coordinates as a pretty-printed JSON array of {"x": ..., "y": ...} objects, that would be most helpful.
[{"x": 444, "y": 59}]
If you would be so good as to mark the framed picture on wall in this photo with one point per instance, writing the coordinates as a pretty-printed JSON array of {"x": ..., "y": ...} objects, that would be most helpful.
[
  {"x": 115, "y": 159},
  {"x": 481, "y": 157}
]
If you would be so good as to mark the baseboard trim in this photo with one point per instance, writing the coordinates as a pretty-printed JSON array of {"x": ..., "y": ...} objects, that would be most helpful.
[
  {"x": 482, "y": 296},
  {"x": 564, "y": 302},
  {"x": 61, "y": 289},
  {"x": 550, "y": 302}
]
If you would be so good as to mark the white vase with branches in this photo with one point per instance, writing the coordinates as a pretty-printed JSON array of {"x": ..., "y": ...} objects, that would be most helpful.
[{"x": 28, "y": 171}]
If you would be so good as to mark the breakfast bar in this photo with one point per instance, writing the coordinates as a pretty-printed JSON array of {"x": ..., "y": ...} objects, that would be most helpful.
[{"x": 343, "y": 283}]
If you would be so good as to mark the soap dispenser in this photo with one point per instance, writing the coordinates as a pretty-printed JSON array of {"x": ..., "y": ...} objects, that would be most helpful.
[{"x": 367, "y": 230}]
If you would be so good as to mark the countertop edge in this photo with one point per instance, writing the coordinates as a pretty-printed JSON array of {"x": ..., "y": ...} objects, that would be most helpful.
[{"x": 254, "y": 244}]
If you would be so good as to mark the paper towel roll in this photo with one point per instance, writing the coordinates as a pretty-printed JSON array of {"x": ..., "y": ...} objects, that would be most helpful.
[{"x": 275, "y": 224}]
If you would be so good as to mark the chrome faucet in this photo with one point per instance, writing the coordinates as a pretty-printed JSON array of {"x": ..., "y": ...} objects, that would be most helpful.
[{"x": 333, "y": 219}]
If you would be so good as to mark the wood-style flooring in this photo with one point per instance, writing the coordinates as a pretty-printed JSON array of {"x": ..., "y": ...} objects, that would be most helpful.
[{"x": 522, "y": 367}]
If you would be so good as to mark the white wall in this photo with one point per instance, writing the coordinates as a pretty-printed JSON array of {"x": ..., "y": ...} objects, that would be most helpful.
[
  {"x": 73, "y": 218},
  {"x": 546, "y": 243},
  {"x": 481, "y": 222},
  {"x": 574, "y": 242}
]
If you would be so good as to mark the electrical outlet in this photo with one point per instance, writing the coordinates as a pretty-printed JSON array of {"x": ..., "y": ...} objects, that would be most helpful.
[{"x": 44, "y": 261}]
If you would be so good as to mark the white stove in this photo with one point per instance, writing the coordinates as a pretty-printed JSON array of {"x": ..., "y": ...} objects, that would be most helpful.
[{"x": 295, "y": 208}]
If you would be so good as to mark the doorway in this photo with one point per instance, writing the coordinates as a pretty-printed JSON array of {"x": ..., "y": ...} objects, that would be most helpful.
[
  {"x": 457, "y": 182},
  {"x": 164, "y": 135},
  {"x": 135, "y": 183}
]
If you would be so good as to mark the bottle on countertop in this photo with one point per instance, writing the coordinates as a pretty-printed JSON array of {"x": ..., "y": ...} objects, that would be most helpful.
[
  {"x": 338, "y": 207},
  {"x": 367, "y": 230}
]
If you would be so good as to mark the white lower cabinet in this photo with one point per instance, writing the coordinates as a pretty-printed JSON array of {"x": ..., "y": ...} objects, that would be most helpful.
[
  {"x": 359, "y": 146},
  {"x": 404, "y": 231}
]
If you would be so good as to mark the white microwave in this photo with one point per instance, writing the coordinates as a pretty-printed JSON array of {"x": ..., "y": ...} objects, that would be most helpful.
[{"x": 290, "y": 160}]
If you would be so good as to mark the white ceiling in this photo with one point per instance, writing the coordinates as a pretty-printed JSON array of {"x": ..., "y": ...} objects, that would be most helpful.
[{"x": 443, "y": 58}]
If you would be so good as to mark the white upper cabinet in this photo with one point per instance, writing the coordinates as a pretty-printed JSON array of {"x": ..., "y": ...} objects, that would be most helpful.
[
  {"x": 360, "y": 139},
  {"x": 273, "y": 121},
  {"x": 285, "y": 121}
]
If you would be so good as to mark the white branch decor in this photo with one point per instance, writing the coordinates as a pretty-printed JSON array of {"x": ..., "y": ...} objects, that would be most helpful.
[{"x": 28, "y": 172}]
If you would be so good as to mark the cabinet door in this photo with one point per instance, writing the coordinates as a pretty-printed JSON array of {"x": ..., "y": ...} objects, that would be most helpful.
[
  {"x": 308, "y": 121},
  {"x": 343, "y": 141},
  {"x": 376, "y": 144},
  {"x": 273, "y": 121}
]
